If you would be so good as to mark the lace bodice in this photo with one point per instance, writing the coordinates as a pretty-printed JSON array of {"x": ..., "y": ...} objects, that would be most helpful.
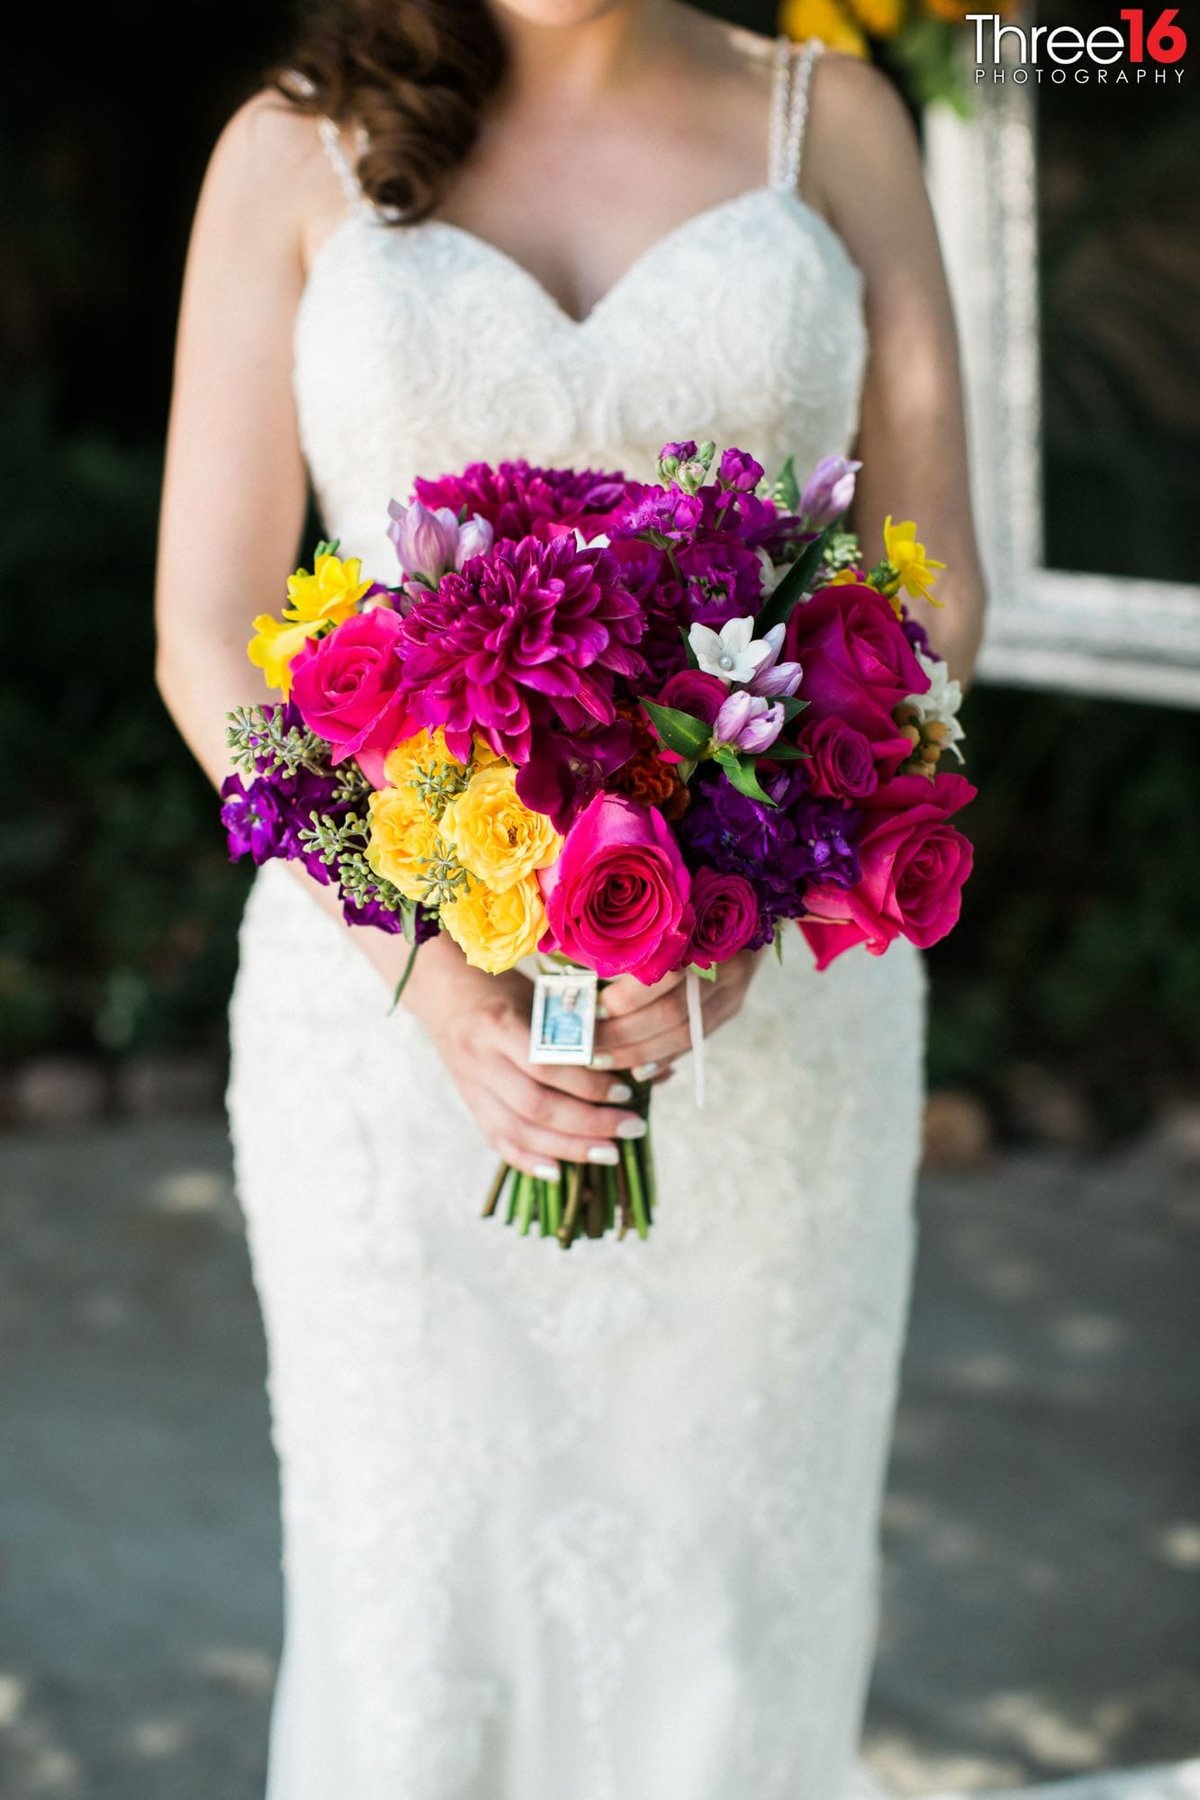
[{"x": 419, "y": 348}]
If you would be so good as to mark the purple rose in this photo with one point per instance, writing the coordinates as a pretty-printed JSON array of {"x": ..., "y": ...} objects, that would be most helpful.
[
  {"x": 843, "y": 762},
  {"x": 726, "y": 917},
  {"x": 694, "y": 692},
  {"x": 858, "y": 665}
]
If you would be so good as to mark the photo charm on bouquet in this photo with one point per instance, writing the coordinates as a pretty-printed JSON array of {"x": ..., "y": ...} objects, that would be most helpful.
[
  {"x": 638, "y": 728},
  {"x": 562, "y": 1025}
]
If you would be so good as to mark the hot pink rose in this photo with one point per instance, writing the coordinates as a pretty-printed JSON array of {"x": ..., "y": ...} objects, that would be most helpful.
[
  {"x": 617, "y": 899},
  {"x": 843, "y": 761},
  {"x": 858, "y": 665},
  {"x": 346, "y": 689},
  {"x": 726, "y": 917},
  {"x": 913, "y": 867}
]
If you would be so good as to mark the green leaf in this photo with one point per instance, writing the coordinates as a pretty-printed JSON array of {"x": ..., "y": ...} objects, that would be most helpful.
[
  {"x": 679, "y": 731},
  {"x": 785, "y": 489},
  {"x": 403, "y": 981},
  {"x": 791, "y": 704},
  {"x": 785, "y": 753},
  {"x": 741, "y": 774},
  {"x": 693, "y": 662},
  {"x": 796, "y": 583},
  {"x": 709, "y": 974}
]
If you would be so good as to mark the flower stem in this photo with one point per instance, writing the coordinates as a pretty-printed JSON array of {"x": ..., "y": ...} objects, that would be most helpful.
[
  {"x": 495, "y": 1191},
  {"x": 630, "y": 1162}
]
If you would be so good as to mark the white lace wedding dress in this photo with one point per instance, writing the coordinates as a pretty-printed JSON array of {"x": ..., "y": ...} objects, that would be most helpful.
[{"x": 597, "y": 1525}]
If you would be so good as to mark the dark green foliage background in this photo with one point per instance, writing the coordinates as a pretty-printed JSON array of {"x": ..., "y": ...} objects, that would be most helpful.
[{"x": 1079, "y": 947}]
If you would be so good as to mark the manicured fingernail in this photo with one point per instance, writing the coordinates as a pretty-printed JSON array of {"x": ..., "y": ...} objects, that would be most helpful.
[
  {"x": 602, "y": 1060},
  {"x": 631, "y": 1128},
  {"x": 601, "y": 1007},
  {"x": 620, "y": 1092},
  {"x": 547, "y": 1171},
  {"x": 603, "y": 1153},
  {"x": 644, "y": 1071}
]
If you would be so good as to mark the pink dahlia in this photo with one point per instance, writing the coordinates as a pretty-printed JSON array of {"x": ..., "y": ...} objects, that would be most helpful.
[
  {"x": 529, "y": 636},
  {"x": 519, "y": 499}
]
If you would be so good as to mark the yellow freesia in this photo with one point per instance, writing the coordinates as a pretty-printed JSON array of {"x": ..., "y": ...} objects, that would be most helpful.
[
  {"x": 494, "y": 834},
  {"x": 403, "y": 839},
  {"x": 330, "y": 594},
  {"x": 274, "y": 647},
  {"x": 495, "y": 929},
  {"x": 913, "y": 564},
  {"x": 845, "y": 578},
  {"x": 828, "y": 20}
]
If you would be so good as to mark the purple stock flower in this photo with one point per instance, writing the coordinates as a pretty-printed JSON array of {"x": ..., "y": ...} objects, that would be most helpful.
[
  {"x": 916, "y": 634},
  {"x": 747, "y": 722},
  {"x": 828, "y": 491},
  {"x": 738, "y": 469},
  {"x": 265, "y": 819}
]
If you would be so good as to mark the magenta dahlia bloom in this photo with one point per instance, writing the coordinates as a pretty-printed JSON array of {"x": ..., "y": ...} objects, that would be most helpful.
[
  {"x": 519, "y": 500},
  {"x": 529, "y": 636}
]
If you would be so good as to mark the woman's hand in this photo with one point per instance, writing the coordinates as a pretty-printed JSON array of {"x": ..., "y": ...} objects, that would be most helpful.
[
  {"x": 645, "y": 1028},
  {"x": 534, "y": 1116}
]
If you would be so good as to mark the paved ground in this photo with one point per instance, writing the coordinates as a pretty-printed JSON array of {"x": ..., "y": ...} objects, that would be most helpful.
[{"x": 1043, "y": 1526}]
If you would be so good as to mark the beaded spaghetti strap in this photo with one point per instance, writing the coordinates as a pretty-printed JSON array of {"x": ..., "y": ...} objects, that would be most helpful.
[
  {"x": 789, "y": 118},
  {"x": 343, "y": 168}
]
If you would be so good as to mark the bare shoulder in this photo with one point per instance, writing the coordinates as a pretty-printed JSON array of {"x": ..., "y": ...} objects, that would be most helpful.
[
  {"x": 267, "y": 169},
  {"x": 859, "y": 129}
]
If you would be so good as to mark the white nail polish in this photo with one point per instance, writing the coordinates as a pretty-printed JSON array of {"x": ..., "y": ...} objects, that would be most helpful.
[
  {"x": 631, "y": 1128},
  {"x": 603, "y": 1153},
  {"x": 547, "y": 1171},
  {"x": 619, "y": 1093},
  {"x": 601, "y": 1007},
  {"x": 601, "y": 1060},
  {"x": 644, "y": 1071}
]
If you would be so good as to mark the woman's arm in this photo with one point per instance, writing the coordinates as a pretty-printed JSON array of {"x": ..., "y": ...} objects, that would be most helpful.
[
  {"x": 862, "y": 169},
  {"x": 233, "y": 510}
]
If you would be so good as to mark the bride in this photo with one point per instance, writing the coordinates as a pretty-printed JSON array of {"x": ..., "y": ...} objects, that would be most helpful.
[{"x": 601, "y": 1524}]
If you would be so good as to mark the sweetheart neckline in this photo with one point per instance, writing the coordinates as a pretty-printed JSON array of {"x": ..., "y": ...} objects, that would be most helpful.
[{"x": 799, "y": 209}]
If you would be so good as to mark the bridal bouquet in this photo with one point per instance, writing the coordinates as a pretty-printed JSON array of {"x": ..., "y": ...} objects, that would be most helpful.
[{"x": 631, "y": 728}]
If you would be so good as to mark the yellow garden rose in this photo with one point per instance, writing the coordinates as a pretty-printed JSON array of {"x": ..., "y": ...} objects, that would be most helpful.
[
  {"x": 404, "y": 836},
  {"x": 494, "y": 930},
  {"x": 494, "y": 835},
  {"x": 424, "y": 750}
]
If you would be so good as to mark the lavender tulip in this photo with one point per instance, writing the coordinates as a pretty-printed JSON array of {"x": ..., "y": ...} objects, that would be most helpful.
[
  {"x": 749, "y": 723},
  {"x": 828, "y": 491},
  {"x": 474, "y": 538},
  {"x": 426, "y": 542}
]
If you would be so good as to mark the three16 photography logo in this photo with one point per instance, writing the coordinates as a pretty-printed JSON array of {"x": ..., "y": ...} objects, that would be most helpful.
[{"x": 1139, "y": 47}]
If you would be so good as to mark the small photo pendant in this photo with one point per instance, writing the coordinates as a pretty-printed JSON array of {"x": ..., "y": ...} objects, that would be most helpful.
[{"x": 563, "y": 1025}]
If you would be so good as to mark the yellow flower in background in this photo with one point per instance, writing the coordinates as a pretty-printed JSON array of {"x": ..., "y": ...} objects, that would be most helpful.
[
  {"x": 494, "y": 834},
  {"x": 330, "y": 594},
  {"x": 881, "y": 18},
  {"x": 495, "y": 929},
  {"x": 274, "y": 647},
  {"x": 912, "y": 562},
  {"x": 423, "y": 750},
  {"x": 828, "y": 20},
  {"x": 403, "y": 838},
  {"x": 845, "y": 578}
]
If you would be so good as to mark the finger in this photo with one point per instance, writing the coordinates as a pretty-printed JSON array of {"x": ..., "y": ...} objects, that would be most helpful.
[
  {"x": 615, "y": 1037},
  {"x": 645, "y": 1057},
  {"x": 548, "y": 1110},
  {"x": 540, "y": 1150},
  {"x": 581, "y": 1082},
  {"x": 627, "y": 994}
]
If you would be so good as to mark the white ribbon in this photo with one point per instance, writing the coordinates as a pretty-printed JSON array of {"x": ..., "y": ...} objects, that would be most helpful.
[{"x": 696, "y": 1033}]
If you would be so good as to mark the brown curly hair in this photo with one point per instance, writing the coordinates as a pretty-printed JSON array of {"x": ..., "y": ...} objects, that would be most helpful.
[{"x": 414, "y": 74}]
